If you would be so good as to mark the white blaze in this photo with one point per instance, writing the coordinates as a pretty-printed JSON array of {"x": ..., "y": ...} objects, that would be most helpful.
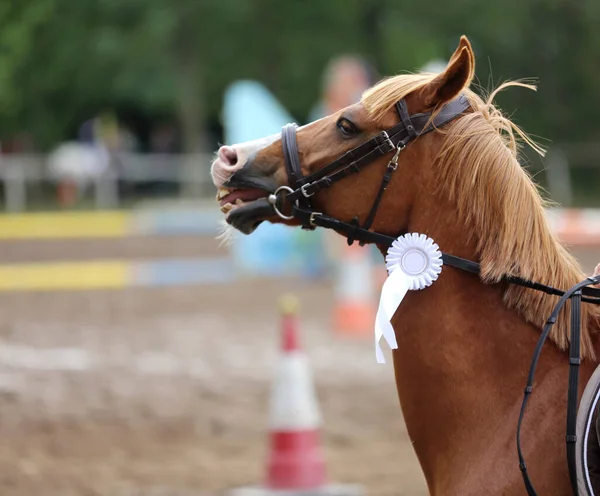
[{"x": 221, "y": 171}]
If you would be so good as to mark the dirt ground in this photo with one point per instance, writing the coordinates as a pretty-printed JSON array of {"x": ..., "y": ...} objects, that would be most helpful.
[{"x": 165, "y": 391}]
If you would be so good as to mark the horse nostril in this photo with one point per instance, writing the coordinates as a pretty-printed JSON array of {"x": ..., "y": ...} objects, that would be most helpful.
[{"x": 228, "y": 155}]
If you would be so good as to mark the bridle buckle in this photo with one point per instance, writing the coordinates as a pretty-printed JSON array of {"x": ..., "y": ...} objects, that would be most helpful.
[
  {"x": 386, "y": 145},
  {"x": 311, "y": 219},
  {"x": 303, "y": 190}
]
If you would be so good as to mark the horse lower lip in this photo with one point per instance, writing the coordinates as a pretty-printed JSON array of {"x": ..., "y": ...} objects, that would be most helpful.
[{"x": 247, "y": 216}]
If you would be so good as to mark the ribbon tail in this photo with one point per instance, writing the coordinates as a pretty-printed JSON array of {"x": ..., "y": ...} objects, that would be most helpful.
[
  {"x": 393, "y": 291},
  {"x": 379, "y": 352},
  {"x": 379, "y": 325},
  {"x": 384, "y": 329}
]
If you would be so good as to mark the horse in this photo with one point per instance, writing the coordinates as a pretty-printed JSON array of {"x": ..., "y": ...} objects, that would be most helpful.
[{"x": 464, "y": 344}]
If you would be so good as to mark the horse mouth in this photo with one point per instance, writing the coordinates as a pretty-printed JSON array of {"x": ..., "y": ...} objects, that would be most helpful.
[
  {"x": 245, "y": 208},
  {"x": 231, "y": 198}
]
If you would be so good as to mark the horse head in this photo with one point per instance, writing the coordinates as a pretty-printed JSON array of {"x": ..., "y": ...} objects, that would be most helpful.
[{"x": 246, "y": 173}]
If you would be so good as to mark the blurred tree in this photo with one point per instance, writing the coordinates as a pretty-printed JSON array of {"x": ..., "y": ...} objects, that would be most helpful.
[
  {"x": 19, "y": 22},
  {"x": 61, "y": 61}
]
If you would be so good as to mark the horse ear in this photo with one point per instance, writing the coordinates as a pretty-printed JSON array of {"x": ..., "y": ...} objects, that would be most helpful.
[
  {"x": 458, "y": 74},
  {"x": 464, "y": 43}
]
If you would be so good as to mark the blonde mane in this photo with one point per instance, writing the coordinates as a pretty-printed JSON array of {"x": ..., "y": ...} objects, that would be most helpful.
[{"x": 479, "y": 170}]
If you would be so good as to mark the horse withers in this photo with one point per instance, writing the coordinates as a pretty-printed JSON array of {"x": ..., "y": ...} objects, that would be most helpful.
[{"x": 423, "y": 153}]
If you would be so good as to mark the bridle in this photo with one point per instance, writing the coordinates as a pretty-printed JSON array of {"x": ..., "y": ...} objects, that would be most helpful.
[{"x": 393, "y": 140}]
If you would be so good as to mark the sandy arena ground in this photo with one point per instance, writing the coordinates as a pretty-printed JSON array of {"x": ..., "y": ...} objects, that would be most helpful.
[{"x": 164, "y": 391}]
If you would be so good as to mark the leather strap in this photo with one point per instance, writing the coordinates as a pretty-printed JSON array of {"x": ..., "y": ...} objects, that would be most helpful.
[
  {"x": 379, "y": 145},
  {"x": 423, "y": 123},
  {"x": 583, "y": 287},
  {"x": 405, "y": 118},
  {"x": 572, "y": 396},
  {"x": 292, "y": 162},
  {"x": 349, "y": 163},
  {"x": 591, "y": 295},
  {"x": 387, "y": 177},
  {"x": 391, "y": 167},
  {"x": 310, "y": 188},
  {"x": 290, "y": 155}
]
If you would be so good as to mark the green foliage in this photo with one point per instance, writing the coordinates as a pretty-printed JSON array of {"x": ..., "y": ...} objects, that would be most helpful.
[{"x": 62, "y": 60}]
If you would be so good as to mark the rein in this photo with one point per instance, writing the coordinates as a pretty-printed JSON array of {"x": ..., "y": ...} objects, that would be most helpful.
[{"x": 395, "y": 139}]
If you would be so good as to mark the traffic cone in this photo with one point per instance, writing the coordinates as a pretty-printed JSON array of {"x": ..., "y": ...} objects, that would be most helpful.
[
  {"x": 355, "y": 306},
  {"x": 295, "y": 462},
  {"x": 295, "y": 458}
]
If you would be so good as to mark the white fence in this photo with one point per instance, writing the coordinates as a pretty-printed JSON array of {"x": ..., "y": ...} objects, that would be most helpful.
[{"x": 191, "y": 175}]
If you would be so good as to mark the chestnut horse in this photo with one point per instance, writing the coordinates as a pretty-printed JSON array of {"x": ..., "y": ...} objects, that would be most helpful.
[{"x": 464, "y": 343}]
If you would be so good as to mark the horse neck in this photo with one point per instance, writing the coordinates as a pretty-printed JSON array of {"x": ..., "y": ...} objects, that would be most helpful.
[{"x": 462, "y": 357}]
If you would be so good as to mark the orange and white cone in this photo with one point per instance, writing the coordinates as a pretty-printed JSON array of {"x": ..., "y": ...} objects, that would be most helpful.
[
  {"x": 295, "y": 464},
  {"x": 295, "y": 458},
  {"x": 355, "y": 306}
]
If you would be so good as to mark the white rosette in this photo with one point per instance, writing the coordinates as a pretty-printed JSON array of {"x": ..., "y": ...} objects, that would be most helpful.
[{"x": 413, "y": 262}]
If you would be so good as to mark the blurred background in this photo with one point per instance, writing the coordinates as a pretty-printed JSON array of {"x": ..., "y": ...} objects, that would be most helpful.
[{"x": 136, "y": 352}]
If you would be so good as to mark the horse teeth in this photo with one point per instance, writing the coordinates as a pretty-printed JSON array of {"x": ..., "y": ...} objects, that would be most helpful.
[
  {"x": 239, "y": 201},
  {"x": 222, "y": 193},
  {"x": 226, "y": 208}
]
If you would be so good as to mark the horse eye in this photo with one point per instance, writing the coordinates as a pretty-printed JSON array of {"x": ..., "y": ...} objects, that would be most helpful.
[{"x": 346, "y": 127}]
